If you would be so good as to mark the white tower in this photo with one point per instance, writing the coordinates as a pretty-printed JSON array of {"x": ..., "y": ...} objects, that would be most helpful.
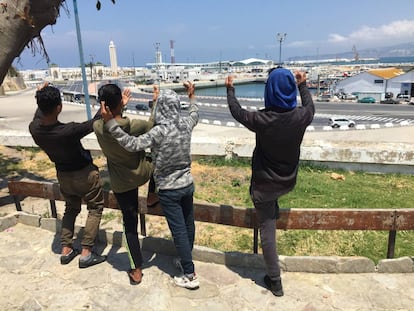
[{"x": 113, "y": 59}]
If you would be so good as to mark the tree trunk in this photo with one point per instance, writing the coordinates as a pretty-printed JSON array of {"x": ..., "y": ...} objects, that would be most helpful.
[{"x": 21, "y": 21}]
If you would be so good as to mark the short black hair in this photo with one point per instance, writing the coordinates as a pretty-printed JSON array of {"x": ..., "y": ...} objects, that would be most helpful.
[
  {"x": 48, "y": 98},
  {"x": 273, "y": 68},
  {"x": 111, "y": 94}
]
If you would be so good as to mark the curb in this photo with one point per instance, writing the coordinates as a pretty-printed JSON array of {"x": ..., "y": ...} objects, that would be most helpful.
[{"x": 308, "y": 264}]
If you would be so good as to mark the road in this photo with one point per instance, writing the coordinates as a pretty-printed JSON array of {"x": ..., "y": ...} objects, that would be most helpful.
[{"x": 214, "y": 110}]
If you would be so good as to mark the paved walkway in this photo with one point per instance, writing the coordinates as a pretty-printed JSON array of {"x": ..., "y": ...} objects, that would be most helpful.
[{"x": 31, "y": 278}]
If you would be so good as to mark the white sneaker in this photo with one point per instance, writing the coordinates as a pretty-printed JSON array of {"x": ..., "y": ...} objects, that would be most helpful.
[
  {"x": 189, "y": 281},
  {"x": 177, "y": 264}
]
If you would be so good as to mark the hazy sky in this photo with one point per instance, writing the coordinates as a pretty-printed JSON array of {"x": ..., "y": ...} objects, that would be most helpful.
[{"x": 227, "y": 29}]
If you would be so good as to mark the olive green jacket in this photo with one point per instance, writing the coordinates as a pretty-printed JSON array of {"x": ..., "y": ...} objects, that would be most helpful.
[{"x": 127, "y": 170}]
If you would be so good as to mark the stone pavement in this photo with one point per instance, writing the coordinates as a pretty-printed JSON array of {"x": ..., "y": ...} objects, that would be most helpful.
[{"x": 32, "y": 278}]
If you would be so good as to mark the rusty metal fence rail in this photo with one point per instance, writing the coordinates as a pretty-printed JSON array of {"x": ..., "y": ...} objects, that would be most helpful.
[{"x": 391, "y": 220}]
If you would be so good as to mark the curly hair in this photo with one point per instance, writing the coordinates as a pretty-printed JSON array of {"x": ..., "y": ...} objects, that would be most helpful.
[{"x": 48, "y": 98}]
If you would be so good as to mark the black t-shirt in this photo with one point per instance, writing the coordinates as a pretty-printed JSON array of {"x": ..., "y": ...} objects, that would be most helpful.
[{"x": 61, "y": 142}]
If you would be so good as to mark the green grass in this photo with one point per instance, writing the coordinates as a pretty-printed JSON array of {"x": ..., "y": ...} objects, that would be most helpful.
[
  {"x": 227, "y": 182},
  {"x": 316, "y": 189}
]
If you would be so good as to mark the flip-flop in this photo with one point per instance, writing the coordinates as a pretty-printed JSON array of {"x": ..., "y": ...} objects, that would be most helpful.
[
  {"x": 131, "y": 279},
  {"x": 65, "y": 259}
]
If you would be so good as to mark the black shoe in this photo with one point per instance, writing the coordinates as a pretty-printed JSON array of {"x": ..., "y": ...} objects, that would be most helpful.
[
  {"x": 274, "y": 286},
  {"x": 65, "y": 259},
  {"x": 94, "y": 259}
]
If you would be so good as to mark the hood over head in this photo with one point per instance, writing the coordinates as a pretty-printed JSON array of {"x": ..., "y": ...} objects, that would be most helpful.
[
  {"x": 167, "y": 109},
  {"x": 280, "y": 90}
]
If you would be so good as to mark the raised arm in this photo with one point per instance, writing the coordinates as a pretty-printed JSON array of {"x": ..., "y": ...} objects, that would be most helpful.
[{"x": 193, "y": 111}]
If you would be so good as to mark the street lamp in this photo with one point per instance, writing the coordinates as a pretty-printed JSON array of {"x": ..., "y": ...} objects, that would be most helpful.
[{"x": 280, "y": 37}]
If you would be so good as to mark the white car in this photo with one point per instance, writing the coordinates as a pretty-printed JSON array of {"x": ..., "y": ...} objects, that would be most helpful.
[
  {"x": 341, "y": 122},
  {"x": 184, "y": 105}
]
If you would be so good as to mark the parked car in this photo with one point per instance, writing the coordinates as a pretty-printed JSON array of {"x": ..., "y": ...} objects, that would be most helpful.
[
  {"x": 349, "y": 97},
  {"x": 184, "y": 105},
  {"x": 141, "y": 106},
  {"x": 405, "y": 97},
  {"x": 367, "y": 99},
  {"x": 324, "y": 98},
  {"x": 389, "y": 101},
  {"x": 338, "y": 122}
]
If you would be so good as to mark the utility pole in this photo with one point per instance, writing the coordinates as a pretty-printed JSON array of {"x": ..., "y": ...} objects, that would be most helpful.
[
  {"x": 85, "y": 82},
  {"x": 281, "y": 37}
]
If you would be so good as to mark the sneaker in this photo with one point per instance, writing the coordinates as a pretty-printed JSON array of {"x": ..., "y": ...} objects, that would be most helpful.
[
  {"x": 274, "y": 286},
  {"x": 189, "y": 281},
  {"x": 177, "y": 264},
  {"x": 65, "y": 259},
  {"x": 92, "y": 260}
]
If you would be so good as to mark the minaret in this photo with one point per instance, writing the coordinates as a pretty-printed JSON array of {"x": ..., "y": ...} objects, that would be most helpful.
[{"x": 112, "y": 58}]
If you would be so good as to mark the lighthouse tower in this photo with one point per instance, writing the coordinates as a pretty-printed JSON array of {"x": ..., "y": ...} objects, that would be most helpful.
[{"x": 113, "y": 59}]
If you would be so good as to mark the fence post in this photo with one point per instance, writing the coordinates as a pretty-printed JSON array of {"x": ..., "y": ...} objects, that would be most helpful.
[
  {"x": 17, "y": 203},
  {"x": 255, "y": 240},
  {"x": 53, "y": 208},
  {"x": 391, "y": 243}
]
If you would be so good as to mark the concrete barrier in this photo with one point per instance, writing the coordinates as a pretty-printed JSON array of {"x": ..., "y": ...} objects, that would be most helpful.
[{"x": 369, "y": 156}]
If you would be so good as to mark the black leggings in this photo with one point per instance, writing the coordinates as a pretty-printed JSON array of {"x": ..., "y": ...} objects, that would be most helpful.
[{"x": 128, "y": 201}]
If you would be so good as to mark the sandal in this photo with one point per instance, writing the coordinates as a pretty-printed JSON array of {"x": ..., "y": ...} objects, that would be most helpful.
[{"x": 131, "y": 279}]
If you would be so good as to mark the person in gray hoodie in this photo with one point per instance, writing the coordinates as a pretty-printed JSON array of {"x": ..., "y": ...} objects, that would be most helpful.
[{"x": 170, "y": 142}]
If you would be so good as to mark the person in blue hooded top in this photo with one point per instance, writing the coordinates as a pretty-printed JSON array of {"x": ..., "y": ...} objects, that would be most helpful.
[{"x": 279, "y": 129}]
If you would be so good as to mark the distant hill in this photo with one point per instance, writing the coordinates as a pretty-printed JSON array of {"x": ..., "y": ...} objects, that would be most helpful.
[{"x": 400, "y": 50}]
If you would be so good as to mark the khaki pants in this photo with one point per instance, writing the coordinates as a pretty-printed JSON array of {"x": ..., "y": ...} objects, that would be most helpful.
[{"x": 83, "y": 184}]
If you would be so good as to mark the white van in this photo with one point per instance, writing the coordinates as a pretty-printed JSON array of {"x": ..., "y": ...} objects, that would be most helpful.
[{"x": 405, "y": 97}]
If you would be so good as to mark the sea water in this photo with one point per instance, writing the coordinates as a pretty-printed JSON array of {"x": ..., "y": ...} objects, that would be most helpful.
[
  {"x": 250, "y": 90},
  {"x": 256, "y": 89}
]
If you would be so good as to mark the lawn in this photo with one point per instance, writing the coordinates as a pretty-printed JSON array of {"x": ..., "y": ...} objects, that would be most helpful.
[{"x": 227, "y": 182}]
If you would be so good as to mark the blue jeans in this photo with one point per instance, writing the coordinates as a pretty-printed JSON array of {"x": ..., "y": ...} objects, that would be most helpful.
[{"x": 177, "y": 205}]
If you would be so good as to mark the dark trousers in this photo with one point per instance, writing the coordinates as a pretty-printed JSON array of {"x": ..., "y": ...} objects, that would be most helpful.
[
  {"x": 267, "y": 210},
  {"x": 128, "y": 202},
  {"x": 76, "y": 186},
  {"x": 177, "y": 206}
]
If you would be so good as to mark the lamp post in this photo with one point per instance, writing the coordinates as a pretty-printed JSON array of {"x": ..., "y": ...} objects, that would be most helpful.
[{"x": 281, "y": 37}]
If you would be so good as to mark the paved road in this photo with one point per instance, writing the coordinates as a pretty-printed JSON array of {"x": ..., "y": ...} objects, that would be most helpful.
[
  {"x": 18, "y": 108},
  {"x": 31, "y": 278},
  {"x": 215, "y": 109}
]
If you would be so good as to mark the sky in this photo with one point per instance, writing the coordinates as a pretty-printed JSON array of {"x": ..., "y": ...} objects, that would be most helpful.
[{"x": 213, "y": 30}]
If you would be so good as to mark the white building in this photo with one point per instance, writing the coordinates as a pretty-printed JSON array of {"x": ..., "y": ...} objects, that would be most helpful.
[{"x": 377, "y": 82}]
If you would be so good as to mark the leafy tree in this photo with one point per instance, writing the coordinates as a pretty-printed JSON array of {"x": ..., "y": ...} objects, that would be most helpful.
[{"x": 21, "y": 22}]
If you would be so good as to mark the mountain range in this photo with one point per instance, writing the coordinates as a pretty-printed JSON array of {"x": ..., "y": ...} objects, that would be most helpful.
[{"x": 399, "y": 50}]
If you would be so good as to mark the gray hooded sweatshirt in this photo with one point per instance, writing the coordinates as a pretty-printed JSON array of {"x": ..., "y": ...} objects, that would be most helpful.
[{"x": 169, "y": 140}]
